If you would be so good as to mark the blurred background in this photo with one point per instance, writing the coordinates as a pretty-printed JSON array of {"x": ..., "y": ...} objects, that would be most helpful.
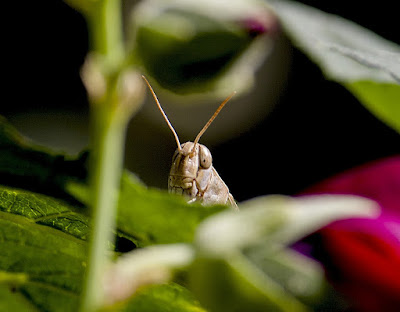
[{"x": 292, "y": 130}]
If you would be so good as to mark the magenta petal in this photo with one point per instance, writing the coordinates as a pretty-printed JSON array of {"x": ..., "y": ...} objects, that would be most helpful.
[{"x": 362, "y": 256}]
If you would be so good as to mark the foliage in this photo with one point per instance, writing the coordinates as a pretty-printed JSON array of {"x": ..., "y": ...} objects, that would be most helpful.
[
  {"x": 366, "y": 64},
  {"x": 57, "y": 213},
  {"x": 44, "y": 251}
]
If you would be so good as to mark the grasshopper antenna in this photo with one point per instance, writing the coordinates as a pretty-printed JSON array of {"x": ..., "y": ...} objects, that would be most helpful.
[
  {"x": 163, "y": 113},
  {"x": 212, "y": 118}
]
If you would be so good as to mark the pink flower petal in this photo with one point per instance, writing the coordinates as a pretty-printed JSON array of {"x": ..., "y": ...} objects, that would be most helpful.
[{"x": 362, "y": 256}]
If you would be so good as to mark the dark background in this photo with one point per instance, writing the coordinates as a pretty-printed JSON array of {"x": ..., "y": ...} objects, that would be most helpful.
[{"x": 317, "y": 128}]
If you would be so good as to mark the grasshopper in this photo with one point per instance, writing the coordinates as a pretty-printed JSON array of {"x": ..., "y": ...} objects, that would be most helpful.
[{"x": 192, "y": 173}]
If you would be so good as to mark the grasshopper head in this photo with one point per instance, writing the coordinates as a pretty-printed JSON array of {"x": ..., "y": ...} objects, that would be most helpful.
[
  {"x": 192, "y": 161},
  {"x": 186, "y": 163}
]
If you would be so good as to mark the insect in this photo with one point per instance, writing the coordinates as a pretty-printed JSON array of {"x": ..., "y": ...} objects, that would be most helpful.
[{"x": 192, "y": 173}]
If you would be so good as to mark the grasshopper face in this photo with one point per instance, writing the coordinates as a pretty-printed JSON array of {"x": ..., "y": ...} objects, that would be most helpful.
[
  {"x": 192, "y": 173},
  {"x": 191, "y": 169}
]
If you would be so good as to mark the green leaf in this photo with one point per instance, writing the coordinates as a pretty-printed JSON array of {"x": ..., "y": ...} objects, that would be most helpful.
[
  {"x": 235, "y": 284},
  {"x": 164, "y": 298},
  {"x": 368, "y": 65},
  {"x": 156, "y": 216},
  {"x": 149, "y": 216},
  {"x": 27, "y": 165},
  {"x": 243, "y": 256},
  {"x": 382, "y": 99},
  {"x": 10, "y": 298},
  {"x": 294, "y": 272},
  {"x": 187, "y": 47},
  {"x": 144, "y": 266},
  {"x": 43, "y": 252},
  {"x": 43, "y": 210},
  {"x": 344, "y": 50},
  {"x": 178, "y": 62},
  {"x": 277, "y": 219}
]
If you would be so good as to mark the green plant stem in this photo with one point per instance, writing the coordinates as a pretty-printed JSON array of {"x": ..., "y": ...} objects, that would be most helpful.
[
  {"x": 106, "y": 170},
  {"x": 105, "y": 28},
  {"x": 107, "y": 135}
]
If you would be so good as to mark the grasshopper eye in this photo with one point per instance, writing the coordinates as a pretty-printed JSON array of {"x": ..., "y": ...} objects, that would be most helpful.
[{"x": 205, "y": 157}]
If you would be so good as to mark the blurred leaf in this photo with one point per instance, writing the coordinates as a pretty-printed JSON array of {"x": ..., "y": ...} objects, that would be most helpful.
[
  {"x": 380, "y": 98},
  {"x": 368, "y": 65},
  {"x": 83, "y": 6},
  {"x": 43, "y": 252},
  {"x": 178, "y": 62},
  {"x": 344, "y": 50},
  {"x": 243, "y": 256},
  {"x": 11, "y": 300},
  {"x": 27, "y": 165},
  {"x": 279, "y": 220},
  {"x": 142, "y": 267},
  {"x": 305, "y": 215},
  {"x": 186, "y": 49},
  {"x": 294, "y": 272},
  {"x": 235, "y": 284},
  {"x": 163, "y": 298}
]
